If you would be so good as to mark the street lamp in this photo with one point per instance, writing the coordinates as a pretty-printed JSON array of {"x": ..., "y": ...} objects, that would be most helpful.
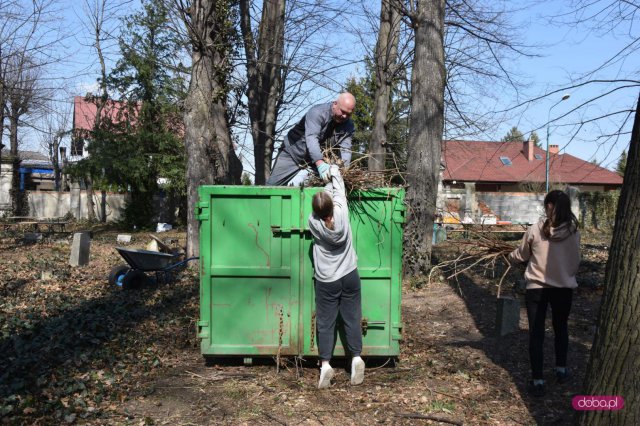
[{"x": 546, "y": 165}]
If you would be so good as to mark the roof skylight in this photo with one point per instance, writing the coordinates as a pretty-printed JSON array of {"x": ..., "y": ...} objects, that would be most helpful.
[{"x": 506, "y": 161}]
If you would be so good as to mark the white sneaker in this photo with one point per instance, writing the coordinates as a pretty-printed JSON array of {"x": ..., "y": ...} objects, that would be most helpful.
[
  {"x": 326, "y": 374},
  {"x": 357, "y": 371}
]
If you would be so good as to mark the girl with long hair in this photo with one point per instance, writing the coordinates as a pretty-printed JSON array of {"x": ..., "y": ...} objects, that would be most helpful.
[{"x": 551, "y": 249}]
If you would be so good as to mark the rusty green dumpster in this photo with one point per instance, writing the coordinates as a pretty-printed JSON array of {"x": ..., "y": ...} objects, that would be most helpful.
[{"x": 256, "y": 273}]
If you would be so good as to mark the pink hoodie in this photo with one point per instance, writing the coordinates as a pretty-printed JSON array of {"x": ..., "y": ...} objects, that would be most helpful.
[{"x": 553, "y": 261}]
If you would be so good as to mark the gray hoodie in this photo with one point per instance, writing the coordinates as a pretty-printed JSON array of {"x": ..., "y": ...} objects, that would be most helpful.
[
  {"x": 333, "y": 253},
  {"x": 551, "y": 262}
]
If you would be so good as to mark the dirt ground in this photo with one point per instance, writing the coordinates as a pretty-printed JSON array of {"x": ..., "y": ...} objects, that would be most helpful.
[{"x": 76, "y": 351}]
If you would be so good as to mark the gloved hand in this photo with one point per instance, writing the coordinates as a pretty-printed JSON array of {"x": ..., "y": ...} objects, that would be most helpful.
[
  {"x": 334, "y": 170},
  {"x": 323, "y": 171}
]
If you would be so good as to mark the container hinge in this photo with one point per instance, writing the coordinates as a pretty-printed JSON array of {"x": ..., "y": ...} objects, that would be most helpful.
[
  {"x": 202, "y": 211},
  {"x": 396, "y": 331},
  {"x": 203, "y": 329},
  {"x": 399, "y": 215}
]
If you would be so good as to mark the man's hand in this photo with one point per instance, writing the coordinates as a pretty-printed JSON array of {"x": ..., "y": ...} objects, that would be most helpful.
[{"x": 324, "y": 171}]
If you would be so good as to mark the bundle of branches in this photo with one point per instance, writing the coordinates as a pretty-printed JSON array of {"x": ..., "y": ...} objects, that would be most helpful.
[
  {"x": 357, "y": 177},
  {"x": 478, "y": 251}
]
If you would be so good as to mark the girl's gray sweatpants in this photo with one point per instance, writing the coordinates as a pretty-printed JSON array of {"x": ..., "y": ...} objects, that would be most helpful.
[{"x": 341, "y": 296}]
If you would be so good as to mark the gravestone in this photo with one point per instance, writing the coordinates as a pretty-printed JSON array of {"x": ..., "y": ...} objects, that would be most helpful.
[
  {"x": 80, "y": 249},
  {"x": 32, "y": 237},
  {"x": 507, "y": 315},
  {"x": 123, "y": 239}
]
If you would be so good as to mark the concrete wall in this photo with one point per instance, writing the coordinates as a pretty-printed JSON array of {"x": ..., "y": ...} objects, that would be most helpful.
[
  {"x": 5, "y": 186},
  {"x": 521, "y": 207},
  {"x": 49, "y": 204}
]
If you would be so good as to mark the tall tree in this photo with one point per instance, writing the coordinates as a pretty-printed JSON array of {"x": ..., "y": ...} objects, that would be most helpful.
[
  {"x": 536, "y": 139},
  {"x": 264, "y": 56},
  {"x": 386, "y": 66},
  {"x": 615, "y": 359},
  {"x": 396, "y": 128},
  {"x": 211, "y": 158},
  {"x": 513, "y": 135},
  {"x": 363, "y": 90},
  {"x": 56, "y": 127},
  {"x": 97, "y": 13},
  {"x": 22, "y": 78},
  {"x": 26, "y": 30},
  {"x": 136, "y": 141},
  {"x": 425, "y": 135},
  {"x": 622, "y": 163}
]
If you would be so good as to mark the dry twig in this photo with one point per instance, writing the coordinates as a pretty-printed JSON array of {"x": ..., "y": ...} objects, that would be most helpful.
[
  {"x": 481, "y": 252},
  {"x": 356, "y": 177}
]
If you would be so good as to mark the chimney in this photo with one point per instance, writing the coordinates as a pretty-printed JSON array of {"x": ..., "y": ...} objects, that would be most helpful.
[
  {"x": 553, "y": 149},
  {"x": 527, "y": 149}
]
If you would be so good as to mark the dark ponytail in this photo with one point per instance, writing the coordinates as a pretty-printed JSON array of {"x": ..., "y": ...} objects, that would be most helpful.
[{"x": 560, "y": 214}]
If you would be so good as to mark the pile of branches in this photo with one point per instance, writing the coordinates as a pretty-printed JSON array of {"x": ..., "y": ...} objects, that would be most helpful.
[
  {"x": 478, "y": 251},
  {"x": 356, "y": 177}
]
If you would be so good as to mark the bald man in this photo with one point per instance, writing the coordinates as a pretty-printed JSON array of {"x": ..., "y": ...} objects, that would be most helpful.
[{"x": 323, "y": 126}]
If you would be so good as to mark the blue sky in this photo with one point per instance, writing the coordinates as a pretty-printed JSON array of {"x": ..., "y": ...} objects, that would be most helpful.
[
  {"x": 565, "y": 52},
  {"x": 568, "y": 52}
]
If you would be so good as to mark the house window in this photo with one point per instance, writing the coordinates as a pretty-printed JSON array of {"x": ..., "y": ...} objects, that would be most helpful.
[
  {"x": 538, "y": 156},
  {"x": 77, "y": 146},
  {"x": 506, "y": 161}
]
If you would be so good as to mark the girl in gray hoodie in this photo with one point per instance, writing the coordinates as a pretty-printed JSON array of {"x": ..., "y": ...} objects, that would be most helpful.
[
  {"x": 551, "y": 250},
  {"x": 337, "y": 283}
]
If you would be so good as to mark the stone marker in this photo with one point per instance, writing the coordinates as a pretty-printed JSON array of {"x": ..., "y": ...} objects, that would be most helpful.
[
  {"x": 507, "y": 315},
  {"x": 32, "y": 237},
  {"x": 46, "y": 275},
  {"x": 123, "y": 238},
  {"x": 80, "y": 249}
]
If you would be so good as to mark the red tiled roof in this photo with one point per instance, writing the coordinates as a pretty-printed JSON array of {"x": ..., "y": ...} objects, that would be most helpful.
[
  {"x": 84, "y": 112},
  {"x": 476, "y": 161},
  {"x": 84, "y": 115}
]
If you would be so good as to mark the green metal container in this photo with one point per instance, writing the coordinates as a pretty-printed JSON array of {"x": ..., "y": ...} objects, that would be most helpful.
[{"x": 256, "y": 274}]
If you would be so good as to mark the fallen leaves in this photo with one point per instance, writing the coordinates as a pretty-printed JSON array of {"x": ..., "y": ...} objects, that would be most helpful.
[
  {"x": 76, "y": 351},
  {"x": 72, "y": 346}
]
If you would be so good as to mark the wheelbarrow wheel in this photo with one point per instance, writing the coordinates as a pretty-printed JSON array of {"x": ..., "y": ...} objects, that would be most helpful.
[
  {"x": 134, "y": 279},
  {"x": 117, "y": 274}
]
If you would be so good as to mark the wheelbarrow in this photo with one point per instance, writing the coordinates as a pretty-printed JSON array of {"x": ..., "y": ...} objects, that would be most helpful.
[{"x": 140, "y": 262}]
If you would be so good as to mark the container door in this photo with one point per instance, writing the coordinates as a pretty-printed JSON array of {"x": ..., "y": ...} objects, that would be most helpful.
[
  {"x": 376, "y": 224},
  {"x": 250, "y": 251}
]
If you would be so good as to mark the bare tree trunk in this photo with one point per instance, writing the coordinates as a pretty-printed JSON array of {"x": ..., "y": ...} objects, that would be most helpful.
[
  {"x": 211, "y": 158},
  {"x": 55, "y": 161},
  {"x": 385, "y": 67},
  {"x": 90, "y": 203},
  {"x": 16, "y": 192},
  {"x": 425, "y": 135},
  {"x": 264, "y": 72},
  {"x": 615, "y": 355},
  {"x": 2, "y": 103},
  {"x": 97, "y": 20}
]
